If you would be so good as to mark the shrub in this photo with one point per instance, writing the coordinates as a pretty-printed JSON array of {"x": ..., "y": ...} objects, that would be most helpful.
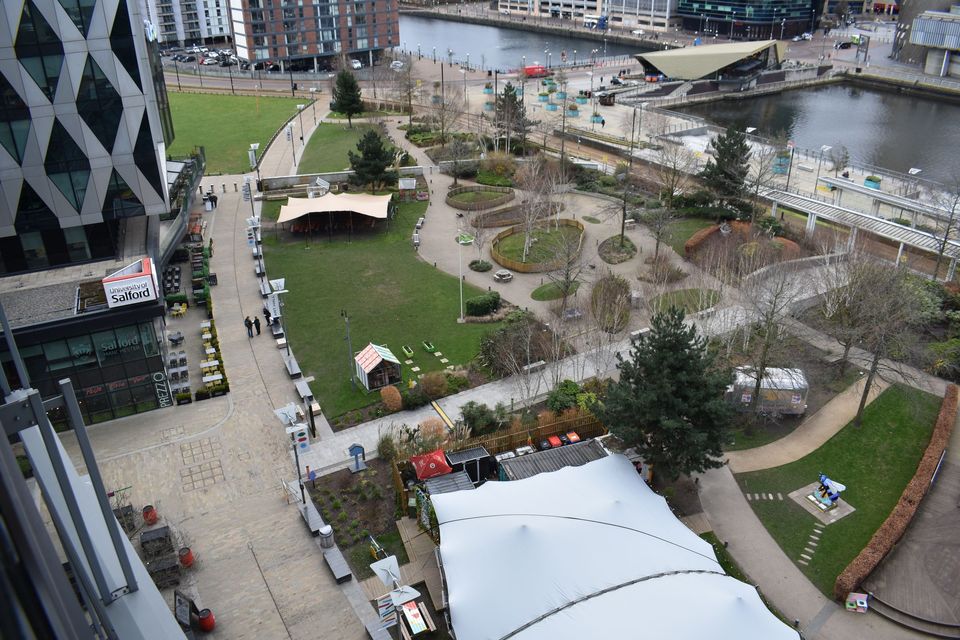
[
  {"x": 873, "y": 178},
  {"x": 694, "y": 242},
  {"x": 480, "y": 265},
  {"x": 770, "y": 225},
  {"x": 493, "y": 180},
  {"x": 483, "y": 305},
  {"x": 434, "y": 431},
  {"x": 175, "y": 298},
  {"x": 391, "y": 398},
  {"x": 499, "y": 163},
  {"x": 414, "y": 398},
  {"x": 609, "y": 303},
  {"x": 563, "y": 396},
  {"x": 201, "y": 394},
  {"x": 456, "y": 383},
  {"x": 434, "y": 384},
  {"x": 477, "y": 416},
  {"x": 896, "y": 524}
]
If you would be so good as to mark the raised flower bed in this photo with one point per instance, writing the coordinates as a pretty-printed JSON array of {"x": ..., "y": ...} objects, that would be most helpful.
[
  {"x": 552, "y": 106},
  {"x": 596, "y": 117},
  {"x": 543, "y": 96},
  {"x": 561, "y": 95},
  {"x": 872, "y": 182},
  {"x": 488, "y": 106},
  {"x": 488, "y": 89}
]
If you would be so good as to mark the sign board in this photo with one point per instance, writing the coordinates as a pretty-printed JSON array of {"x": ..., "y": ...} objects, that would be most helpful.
[
  {"x": 407, "y": 184},
  {"x": 272, "y": 304},
  {"x": 277, "y": 284},
  {"x": 133, "y": 284}
]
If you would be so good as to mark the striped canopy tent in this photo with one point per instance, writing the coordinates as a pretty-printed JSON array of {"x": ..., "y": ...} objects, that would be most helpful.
[
  {"x": 377, "y": 367},
  {"x": 300, "y": 212}
]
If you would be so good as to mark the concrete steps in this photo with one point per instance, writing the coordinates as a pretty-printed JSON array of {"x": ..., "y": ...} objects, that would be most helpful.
[{"x": 922, "y": 625}]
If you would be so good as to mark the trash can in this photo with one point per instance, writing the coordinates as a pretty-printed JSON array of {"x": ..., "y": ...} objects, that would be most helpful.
[
  {"x": 207, "y": 205},
  {"x": 326, "y": 537}
]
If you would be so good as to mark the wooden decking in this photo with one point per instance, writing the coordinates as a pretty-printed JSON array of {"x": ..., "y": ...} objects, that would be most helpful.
[
  {"x": 922, "y": 575},
  {"x": 421, "y": 568}
]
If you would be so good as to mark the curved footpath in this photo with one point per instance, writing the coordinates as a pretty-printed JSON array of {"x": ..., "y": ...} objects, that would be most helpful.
[{"x": 214, "y": 469}]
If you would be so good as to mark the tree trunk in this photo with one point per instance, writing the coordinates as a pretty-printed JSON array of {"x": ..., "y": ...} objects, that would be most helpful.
[
  {"x": 761, "y": 367},
  {"x": 874, "y": 365},
  {"x": 656, "y": 249},
  {"x": 843, "y": 360}
]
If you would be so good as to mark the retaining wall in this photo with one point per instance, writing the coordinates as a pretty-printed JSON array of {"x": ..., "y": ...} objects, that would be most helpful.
[
  {"x": 526, "y": 267},
  {"x": 508, "y": 195}
]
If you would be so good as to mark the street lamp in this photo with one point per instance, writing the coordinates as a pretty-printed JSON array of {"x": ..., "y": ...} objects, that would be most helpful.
[
  {"x": 468, "y": 60},
  {"x": 463, "y": 239},
  {"x": 254, "y": 163},
  {"x": 419, "y": 55},
  {"x": 574, "y": 57},
  {"x": 823, "y": 150},
  {"x": 434, "y": 55},
  {"x": 313, "y": 97},
  {"x": 466, "y": 98},
  {"x": 300, "y": 114},
  {"x": 783, "y": 24}
]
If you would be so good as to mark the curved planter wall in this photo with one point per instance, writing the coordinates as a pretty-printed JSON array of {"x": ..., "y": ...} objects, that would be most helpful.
[
  {"x": 508, "y": 195},
  {"x": 530, "y": 267}
]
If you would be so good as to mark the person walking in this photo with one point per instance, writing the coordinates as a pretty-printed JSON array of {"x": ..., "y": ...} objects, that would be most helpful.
[
  {"x": 266, "y": 314},
  {"x": 256, "y": 325},
  {"x": 248, "y": 323}
]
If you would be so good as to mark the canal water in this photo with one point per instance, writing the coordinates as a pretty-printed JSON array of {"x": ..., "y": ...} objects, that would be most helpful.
[
  {"x": 496, "y": 47},
  {"x": 881, "y": 128}
]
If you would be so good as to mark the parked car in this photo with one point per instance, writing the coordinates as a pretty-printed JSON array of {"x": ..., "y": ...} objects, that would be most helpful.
[
  {"x": 843, "y": 45},
  {"x": 807, "y": 36},
  {"x": 356, "y": 64},
  {"x": 188, "y": 58},
  {"x": 396, "y": 65},
  {"x": 503, "y": 276},
  {"x": 616, "y": 82}
]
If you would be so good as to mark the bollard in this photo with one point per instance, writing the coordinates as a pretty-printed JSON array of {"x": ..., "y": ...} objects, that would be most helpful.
[
  {"x": 200, "y": 189},
  {"x": 223, "y": 187},
  {"x": 234, "y": 187}
]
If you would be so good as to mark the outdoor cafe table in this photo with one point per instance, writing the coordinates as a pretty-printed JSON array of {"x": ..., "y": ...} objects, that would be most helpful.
[
  {"x": 206, "y": 335},
  {"x": 209, "y": 363},
  {"x": 217, "y": 377}
]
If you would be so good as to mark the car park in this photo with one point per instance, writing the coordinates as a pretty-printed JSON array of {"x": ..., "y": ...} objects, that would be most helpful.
[
  {"x": 503, "y": 275},
  {"x": 188, "y": 59}
]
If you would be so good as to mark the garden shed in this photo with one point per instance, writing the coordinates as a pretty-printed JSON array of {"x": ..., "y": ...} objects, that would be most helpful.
[
  {"x": 475, "y": 461},
  {"x": 587, "y": 552},
  {"x": 782, "y": 391},
  {"x": 377, "y": 367}
]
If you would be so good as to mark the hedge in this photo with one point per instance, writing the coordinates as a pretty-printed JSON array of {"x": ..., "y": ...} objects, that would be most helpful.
[
  {"x": 483, "y": 305},
  {"x": 691, "y": 245},
  {"x": 896, "y": 524}
]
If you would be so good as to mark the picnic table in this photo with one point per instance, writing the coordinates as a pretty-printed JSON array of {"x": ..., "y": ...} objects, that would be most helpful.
[
  {"x": 303, "y": 388},
  {"x": 212, "y": 379}
]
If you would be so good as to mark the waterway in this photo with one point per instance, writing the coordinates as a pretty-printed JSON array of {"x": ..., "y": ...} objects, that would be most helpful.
[
  {"x": 497, "y": 47},
  {"x": 881, "y": 128}
]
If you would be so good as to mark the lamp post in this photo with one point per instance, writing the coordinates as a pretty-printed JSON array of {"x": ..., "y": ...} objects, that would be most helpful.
[
  {"x": 300, "y": 114},
  {"x": 823, "y": 150},
  {"x": 466, "y": 98},
  {"x": 419, "y": 55},
  {"x": 254, "y": 163},
  {"x": 434, "y": 55},
  {"x": 701, "y": 23},
  {"x": 468, "y": 61},
  {"x": 574, "y": 57},
  {"x": 346, "y": 320},
  {"x": 783, "y": 24},
  {"x": 790, "y": 146},
  {"x": 293, "y": 148},
  {"x": 313, "y": 96},
  {"x": 176, "y": 69},
  {"x": 462, "y": 239}
]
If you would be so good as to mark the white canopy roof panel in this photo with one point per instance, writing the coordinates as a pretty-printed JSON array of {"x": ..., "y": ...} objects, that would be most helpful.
[
  {"x": 587, "y": 552},
  {"x": 362, "y": 203}
]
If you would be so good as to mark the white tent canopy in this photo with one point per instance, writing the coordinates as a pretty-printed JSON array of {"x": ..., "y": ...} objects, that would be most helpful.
[
  {"x": 362, "y": 203},
  {"x": 587, "y": 552}
]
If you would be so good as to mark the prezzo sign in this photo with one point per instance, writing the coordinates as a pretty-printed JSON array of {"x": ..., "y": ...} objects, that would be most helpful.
[
  {"x": 162, "y": 389},
  {"x": 131, "y": 285}
]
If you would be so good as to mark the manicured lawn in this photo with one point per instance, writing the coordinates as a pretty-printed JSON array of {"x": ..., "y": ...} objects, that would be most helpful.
[
  {"x": 225, "y": 126},
  {"x": 469, "y": 197},
  {"x": 328, "y": 146},
  {"x": 550, "y": 291},
  {"x": 391, "y": 296},
  {"x": 682, "y": 229},
  {"x": 690, "y": 300},
  {"x": 875, "y": 462},
  {"x": 271, "y": 209},
  {"x": 544, "y": 244}
]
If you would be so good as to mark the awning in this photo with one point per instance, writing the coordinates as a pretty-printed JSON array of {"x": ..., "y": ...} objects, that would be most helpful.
[
  {"x": 362, "y": 203},
  {"x": 693, "y": 63}
]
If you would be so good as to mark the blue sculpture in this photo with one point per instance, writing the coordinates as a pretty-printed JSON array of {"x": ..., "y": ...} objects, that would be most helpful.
[{"x": 828, "y": 493}]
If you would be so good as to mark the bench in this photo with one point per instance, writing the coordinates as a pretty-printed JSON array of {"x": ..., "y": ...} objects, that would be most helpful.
[
  {"x": 805, "y": 167},
  {"x": 630, "y": 223},
  {"x": 312, "y": 518},
  {"x": 257, "y": 253},
  {"x": 534, "y": 366},
  {"x": 264, "y": 289},
  {"x": 276, "y": 329},
  {"x": 338, "y": 566},
  {"x": 303, "y": 388},
  {"x": 293, "y": 367},
  {"x": 282, "y": 343},
  {"x": 258, "y": 269}
]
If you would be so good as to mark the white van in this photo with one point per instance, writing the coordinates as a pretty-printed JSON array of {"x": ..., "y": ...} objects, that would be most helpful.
[{"x": 356, "y": 64}]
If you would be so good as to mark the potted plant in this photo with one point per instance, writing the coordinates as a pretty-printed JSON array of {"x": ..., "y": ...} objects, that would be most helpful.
[
  {"x": 184, "y": 397},
  {"x": 872, "y": 182},
  {"x": 562, "y": 94},
  {"x": 596, "y": 117},
  {"x": 582, "y": 97},
  {"x": 573, "y": 110},
  {"x": 488, "y": 106},
  {"x": 201, "y": 394},
  {"x": 488, "y": 88},
  {"x": 551, "y": 106},
  {"x": 543, "y": 96}
]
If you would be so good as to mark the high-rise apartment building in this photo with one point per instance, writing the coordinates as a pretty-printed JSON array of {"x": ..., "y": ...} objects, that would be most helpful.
[
  {"x": 184, "y": 22},
  {"x": 750, "y": 19},
  {"x": 84, "y": 131},
  {"x": 309, "y": 34}
]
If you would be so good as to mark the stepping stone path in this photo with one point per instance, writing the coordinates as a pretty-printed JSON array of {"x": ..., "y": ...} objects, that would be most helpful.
[
  {"x": 812, "y": 543},
  {"x": 408, "y": 362},
  {"x": 438, "y": 354},
  {"x": 444, "y": 361},
  {"x": 414, "y": 369},
  {"x": 751, "y": 497}
]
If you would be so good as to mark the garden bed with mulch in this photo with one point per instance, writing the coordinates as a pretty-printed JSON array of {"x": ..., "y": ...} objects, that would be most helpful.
[{"x": 612, "y": 251}]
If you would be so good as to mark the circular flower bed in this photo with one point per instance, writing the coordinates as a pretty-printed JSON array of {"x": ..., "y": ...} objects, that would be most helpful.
[
  {"x": 542, "y": 252},
  {"x": 477, "y": 198},
  {"x": 480, "y": 265}
]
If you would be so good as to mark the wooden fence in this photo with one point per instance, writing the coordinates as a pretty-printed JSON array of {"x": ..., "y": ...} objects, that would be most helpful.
[
  {"x": 531, "y": 267},
  {"x": 508, "y": 195}
]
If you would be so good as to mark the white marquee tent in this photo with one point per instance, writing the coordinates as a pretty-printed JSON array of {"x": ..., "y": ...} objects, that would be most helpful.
[
  {"x": 587, "y": 552},
  {"x": 362, "y": 203}
]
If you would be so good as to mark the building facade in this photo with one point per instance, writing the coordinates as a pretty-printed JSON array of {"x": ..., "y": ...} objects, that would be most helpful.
[
  {"x": 84, "y": 131},
  {"x": 938, "y": 32},
  {"x": 657, "y": 15},
  {"x": 311, "y": 35},
  {"x": 186, "y": 22},
  {"x": 750, "y": 19},
  {"x": 904, "y": 49}
]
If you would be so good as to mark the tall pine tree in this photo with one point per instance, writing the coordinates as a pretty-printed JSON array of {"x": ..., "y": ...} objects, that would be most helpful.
[
  {"x": 726, "y": 173},
  {"x": 511, "y": 116},
  {"x": 346, "y": 96},
  {"x": 669, "y": 401},
  {"x": 370, "y": 165}
]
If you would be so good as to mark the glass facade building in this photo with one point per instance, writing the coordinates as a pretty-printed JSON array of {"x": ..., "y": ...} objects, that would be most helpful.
[
  {"x": 749, "y": 19},
  {"x": 116, "y": 372}
]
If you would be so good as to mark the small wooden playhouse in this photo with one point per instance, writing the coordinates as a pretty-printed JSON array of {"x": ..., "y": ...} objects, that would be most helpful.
[{"x": 377, "y": 367}]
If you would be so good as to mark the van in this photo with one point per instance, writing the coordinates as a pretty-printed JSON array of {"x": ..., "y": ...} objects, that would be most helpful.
[
  {"x": 356, "y": 64},
  {"x": 396, "y": 65}
]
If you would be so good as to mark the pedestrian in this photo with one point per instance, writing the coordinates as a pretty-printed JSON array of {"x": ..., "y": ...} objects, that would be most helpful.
[
  {"x": 603, "y": 123},
  {"x": 256, "y": 325},
  {"x": 213, "y": 200},
  {"x": 248, "y": 323},
  {"x": 266, "y": 314}
]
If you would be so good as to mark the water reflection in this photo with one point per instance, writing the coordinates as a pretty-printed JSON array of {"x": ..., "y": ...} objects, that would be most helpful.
[{"x": 882, "y": 128}]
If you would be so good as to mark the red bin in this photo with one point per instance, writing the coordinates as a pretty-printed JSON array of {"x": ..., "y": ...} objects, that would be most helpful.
[
  {"x": 186, "y": 556},
  {"x": 207, "y": 621},
  {"x": 150, "y": 514}
]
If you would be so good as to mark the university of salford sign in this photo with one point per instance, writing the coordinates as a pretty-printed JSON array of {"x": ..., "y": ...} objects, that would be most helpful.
[{"x": 131, "y": 285}]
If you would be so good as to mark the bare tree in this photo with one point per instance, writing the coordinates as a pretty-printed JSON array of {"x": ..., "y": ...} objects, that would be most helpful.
[
  {"x": 538, "y": 179},
  {"x": 444, "y": 113},
  {"x": 406, "y": 88},
  {"x": 568, "y": 268},
  {"x": 459, "y": 150},
  {"x": 948, "y": 201},
  {"x": 675, "y": 167},
  {"x": 480, "y": 233},
  {"x": 839, "y": 158},
  {"x": 763, "y": 161}
]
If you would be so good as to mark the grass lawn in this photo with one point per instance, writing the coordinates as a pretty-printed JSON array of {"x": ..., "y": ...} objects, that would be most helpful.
[
  {"x": 225, "y": 126},
  {"x": 690, "y": 300},
  {"x": 336, "y": 115},
  {"x": 392, "y": 298},
  {"x": 328, "y": 146},
  {"x": 470, "y": 197},
  {"x": 875, "y": 462},
  {"x": 591, "y": 219},
  {"x": 551, "y": 291},
  {"x": 544, "y": 244},
  {"x": 271, "y": 209},
  {"x": 682, "y": 229},
  {"x": 359, "y": 557}
]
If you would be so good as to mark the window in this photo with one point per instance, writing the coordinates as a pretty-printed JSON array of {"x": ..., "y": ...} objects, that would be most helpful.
[
  {"x": 14, "y": 120},
  {"x": 99, "y": 104},
  {"x": 81, "y": 350},
  {"x": 39, "y": 49},
  {"x": 33, "y": 250}
]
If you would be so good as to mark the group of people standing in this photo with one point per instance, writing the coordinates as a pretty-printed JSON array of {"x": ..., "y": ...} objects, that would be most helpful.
[{"x": 254, "y": 324}]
